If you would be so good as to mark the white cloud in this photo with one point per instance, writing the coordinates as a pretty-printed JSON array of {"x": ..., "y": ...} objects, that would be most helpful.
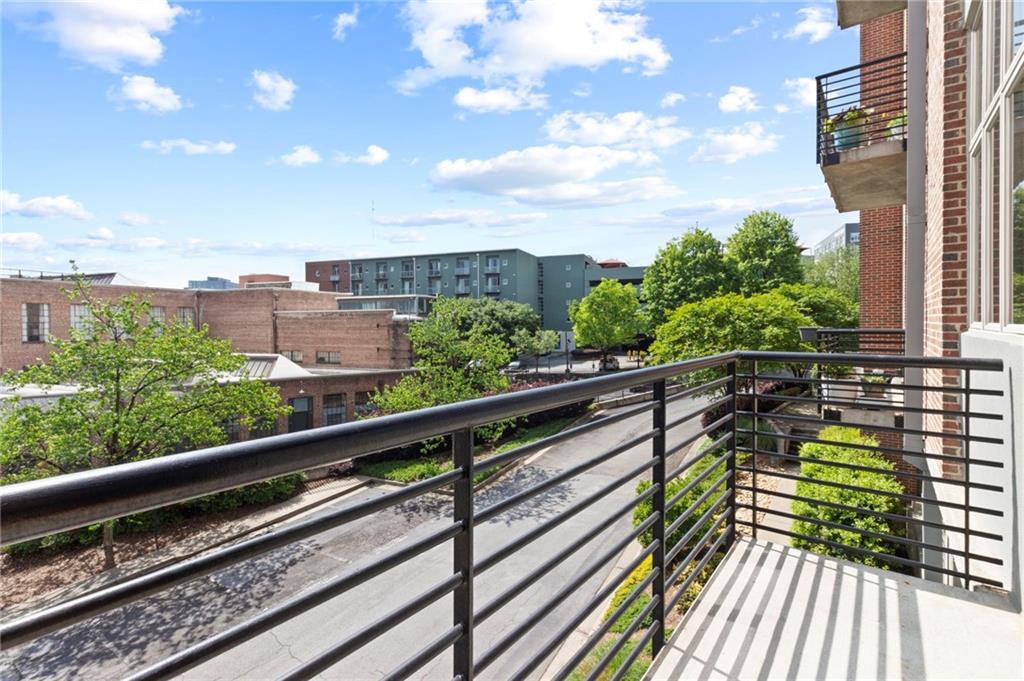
[
  {"x": 406, "y": 236},
  {"x": 273, "y": 91},
  {"x": 43, "y": 206},
  {"x": 22, "y": 241},
  {"x": 107, "y": 33},
  {"x": 301, "y": 155},
  {"x": 801, "y": 90},
  {"x": 374, "y": 156},
  {"x": 671, "y": 99},
  {"x": 104, "y": 238},
  {"x": 629, "y": 129},
  {"x": 594, "y": 194},
  {"x": 145, "y": 94},
  {"x": 739, "y": 30},
  {"x": 459, "y": 216},
  {"x": 735, "y": 144},
  {"x": 102, "y": 234},
  {"x": 582, "y": 90},
  {"x": 189, "y": 147},
  {"x": 738, "y": 98},
  {"x": 816, "y": 22},
  {"x": 133, "y": 219},
  {"x": 781, "y": 108},
  {"x": 500, "y": 99},
  {"x": 345, "y": 21}
]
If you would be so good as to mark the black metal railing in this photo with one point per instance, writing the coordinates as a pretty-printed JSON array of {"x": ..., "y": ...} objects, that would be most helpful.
[
  {"x": 867, "y": 386},
  {"x": 861, "y": 105},
  {"x": 862, "y": 341},
  {"x": 707, "y": 461}
]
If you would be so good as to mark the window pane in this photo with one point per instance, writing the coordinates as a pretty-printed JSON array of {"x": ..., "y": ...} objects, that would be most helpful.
[
  {"x": 993, "y": 227},
  {"x": 995, "y": 12},
  {"x": 1017, "y": 11},
  {"x": 976, "y": 242},
  {"x": 1016, "y": 249},
  {"x": 334, "y": 409}
]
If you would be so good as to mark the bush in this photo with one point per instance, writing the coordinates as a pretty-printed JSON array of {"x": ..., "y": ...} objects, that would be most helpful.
[
  {"x": 638, "y": 575},
  {"x": 827, "y": 307},
  {"x": 855, "y": 499}
]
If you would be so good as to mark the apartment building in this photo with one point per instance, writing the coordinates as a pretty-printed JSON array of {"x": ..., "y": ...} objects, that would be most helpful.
[
  {"x": 212, "y": 284},
  {"x": 847, "y": 235},
  {"x": 329, "y": 275}
]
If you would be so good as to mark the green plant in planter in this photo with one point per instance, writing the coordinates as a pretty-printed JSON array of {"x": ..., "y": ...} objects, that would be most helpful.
[
  {"x": 855, "y": 115},
  {"x": 875, "y": 379},
  {"x": 897, "y": 124}
]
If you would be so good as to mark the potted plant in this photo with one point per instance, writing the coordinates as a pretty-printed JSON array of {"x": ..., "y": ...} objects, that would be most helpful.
[
  {"x": 896, "y": 127},
  {"x": 873, "y": 385},
  {"x": 848, "y": 127}
]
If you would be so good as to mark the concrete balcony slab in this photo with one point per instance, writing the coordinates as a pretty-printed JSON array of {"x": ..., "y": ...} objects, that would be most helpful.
[
  {"x": 871, "y": 176},
  {"x": 856, "y": 12}
]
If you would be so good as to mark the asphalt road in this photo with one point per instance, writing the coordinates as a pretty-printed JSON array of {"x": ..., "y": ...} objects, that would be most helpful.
[{"x": 127, "y": 640}]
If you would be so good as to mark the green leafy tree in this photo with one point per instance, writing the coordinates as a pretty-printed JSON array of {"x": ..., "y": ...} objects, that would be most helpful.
[
  {"x": 500, "y": 318},
  {"x": 838, "y": 269},
  {"x": 535, "y": 344},
  {"x": 1018, "y": 256},
  {"x": 688, "y": 268},
  {"x": 609, "y": 316},
  {"x": 826, "y": 307},
  {"x": 765, "y": 253},
  {"x": 768, "y": 321},
  {"x": 145, "y": 389}
]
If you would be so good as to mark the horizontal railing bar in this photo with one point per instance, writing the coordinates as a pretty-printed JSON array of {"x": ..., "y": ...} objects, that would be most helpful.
[
  {"x": 506, "y": 641},
  {"x": 102, "y": 600},
  {"x": 624, "y": 637},
  {"x": 873, "y": 62},
  {"x": 906, "y": 541},
  {"x": 894, "y": 495},
  {"x": 877, "y": 405},
  {"x": 530, "y": 579},
  {"x": 883, "y": 556},
  {"x": 878, "y": 514},
  {"x": 681, "y": 544},
  {"x": 508, "y": 549},
  {"x": 603, "y": 594},
  {"x": 627, "y": 664},
  {"x": 432, "y": 650},
  {"x": 858, "y": 331},
  {"x": 701, "y": 477},
  {"x": 699, "y": 412},
  {"x": 705, "y": 450},
  {"x": 381, "y": 625},
  {"x": 39, "y": 508},
  {"x": 907, "y": 475},
  {"x": 509, "y": 502},
  {"x": 877, "y": 428},
  {"x": 699, "y": 434},
  {"x": 697, "y": 390},
  {"x": 674, "y": 600},
  {"x": 895, "y": 386},
  {"x": 268, "y": 619},
  {"x": 701, "y": 543},
  {"x": 605, "y": 625},
  {"x": 537, "y": 445},
  {"x": 893, "y": 101},
  {"x": 880, "y": 361}
]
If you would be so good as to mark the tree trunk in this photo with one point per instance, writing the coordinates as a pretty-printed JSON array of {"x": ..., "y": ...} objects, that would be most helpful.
[{"x": 108, "y": 545}]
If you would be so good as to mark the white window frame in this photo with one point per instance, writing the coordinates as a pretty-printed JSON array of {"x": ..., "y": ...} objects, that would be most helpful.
[
  {"x": 80, "y": 316},
  {"x": 44, "y": 323}
]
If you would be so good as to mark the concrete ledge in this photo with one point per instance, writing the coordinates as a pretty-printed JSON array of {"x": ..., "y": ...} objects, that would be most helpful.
[
  {"x": 856, "y": 12},
  {"x": 871, "y": 176}
]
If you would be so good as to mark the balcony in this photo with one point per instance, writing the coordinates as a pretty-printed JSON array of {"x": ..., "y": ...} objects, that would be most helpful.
[
  {"x": 434, "y": 272},
  {"x": 492, "y": 288},
  {"x": 498, "y": 584},
  {"x": 862, "y": 133},
  {"x": 462, "y": 270},
  {"x": 356, "y": 275},
  {"x": 408, "y": 273},
  {"x": 856, "y": 12},
  {"x": 492, "y": 268},
  {"x": 382, "y": 274}
]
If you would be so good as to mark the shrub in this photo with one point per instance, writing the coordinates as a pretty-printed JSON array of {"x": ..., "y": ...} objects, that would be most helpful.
[
  {"x": 638, "y": 575},
  {"x": 855, "y": 499}
]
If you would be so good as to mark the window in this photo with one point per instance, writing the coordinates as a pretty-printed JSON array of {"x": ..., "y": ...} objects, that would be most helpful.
[
  {"x": 157, "y": 315},
  {"x": 568, "y": 284},
  {"x": 334, "y": 409},
  {"x": 568, "y": 267},
  {"x": 328, "y": 357},
  {"x": 334, "y": 272},
  {"x": 233, "y": 429},
  {"x": 362, "y": 405},
  {"x": 293, "y": 355},
  {"x": 301, "y": 417},
  {"x": 35, "y": 322},
  {"x": 80, "y": 317},
  {"x": 1015, "y": 247},
  {"x": 316, "y": 273},
  {"x": 187, "y": 316}
]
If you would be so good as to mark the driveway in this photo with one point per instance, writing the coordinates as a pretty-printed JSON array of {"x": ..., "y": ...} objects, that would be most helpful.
[{"x": 126, "y": 640}]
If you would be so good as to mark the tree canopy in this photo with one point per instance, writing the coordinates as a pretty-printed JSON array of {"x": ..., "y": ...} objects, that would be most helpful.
[
  {"x": 688, "y": 268},
  {"x": 607, "y": 317},
  {"x": 838, "y": 269},
  {"x": 764, "y": 252},
  {"x": 501, "y": 318},
  {"x": 826, "y": 307}
]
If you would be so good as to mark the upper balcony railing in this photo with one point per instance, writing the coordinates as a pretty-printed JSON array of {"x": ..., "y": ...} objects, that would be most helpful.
[
  {"x": 861, "y": 105},
  {"x": 692, "y": 503}
]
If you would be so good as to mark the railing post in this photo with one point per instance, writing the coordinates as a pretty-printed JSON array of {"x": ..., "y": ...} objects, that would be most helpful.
[
  {"x": 753, "y": 447},
  {"x": 731, "y": 503},
  {"x": 658, "y": 586},
  {"x": 462, "y": 454},
  {"x": 967, "y": 478}
]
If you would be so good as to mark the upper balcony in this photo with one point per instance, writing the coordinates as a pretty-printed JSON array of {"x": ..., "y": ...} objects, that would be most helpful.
[
  {"x": 862, "y": 133},
  {"x": 856, "y": 12},
  {"x": 812, "y": 567}
]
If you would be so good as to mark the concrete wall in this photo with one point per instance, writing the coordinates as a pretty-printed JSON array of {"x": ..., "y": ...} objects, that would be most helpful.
[{"x": 564, "y": 280}]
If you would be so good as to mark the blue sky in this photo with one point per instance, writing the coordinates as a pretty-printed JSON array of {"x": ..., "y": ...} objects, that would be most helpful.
[{"x": 171, "y": 141}]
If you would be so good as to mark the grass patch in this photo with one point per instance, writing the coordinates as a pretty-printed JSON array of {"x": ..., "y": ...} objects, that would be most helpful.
[{"x": 636, "y": 670}]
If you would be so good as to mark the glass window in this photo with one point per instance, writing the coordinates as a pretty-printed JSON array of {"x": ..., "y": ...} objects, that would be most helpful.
[
  {"x": 363, "y": 405},
  {"x": 1016, "y": 231},
  {"x": 80, "y": 317},
  {"x": 157, "y": 314},
  {"x": 992, "y": 227},
  {"x": 993, "y": 26},
  {"x": 233, "y": 429},
  {"x": 334, "y": 409},
  {"x": 293, "y": 355},
  {"x": 301, "y": 417},
  {"x": 187, "y": 316},
  {"x": 35, "y": 322},
  {"x": 975, "y": 80},
  {"x": 1017, "y": 24},
  {"x": 568, "y": 284},
  {"x": 328, "y": 357}
]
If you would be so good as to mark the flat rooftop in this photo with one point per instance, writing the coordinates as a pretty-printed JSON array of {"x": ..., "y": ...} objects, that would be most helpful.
[{"x": 774, "y": 612}]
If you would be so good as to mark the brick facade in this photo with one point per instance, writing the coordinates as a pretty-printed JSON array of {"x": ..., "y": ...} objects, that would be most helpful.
[
  {"x": 246, "y": 279},
  {"x": 321, "y": 272}
]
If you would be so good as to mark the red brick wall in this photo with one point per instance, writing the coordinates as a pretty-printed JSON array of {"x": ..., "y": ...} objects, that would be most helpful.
[
  {"x": 364, "y": 338},
  {"x": 340, "y": 384},
  {"x": 319, "y": 272},
  {"x": 246, "y": 279}
]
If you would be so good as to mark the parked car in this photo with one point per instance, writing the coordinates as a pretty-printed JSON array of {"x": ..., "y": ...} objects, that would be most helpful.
[{"x": 609, "y": 363}]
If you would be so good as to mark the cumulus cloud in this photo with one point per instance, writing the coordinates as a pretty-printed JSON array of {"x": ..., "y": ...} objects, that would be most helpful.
[
  {"x": 301, "y": 155},
  {"x": 273, "y": 91},
  {"x": 801, "y": 90},
  {"x": 22, "y": 241},
  {"x": 345, "y": 21},
  {"x": 737, "y": 99},
  {"x": 499, "y": 99},
  {"x": 145, "y": 94},
  {"x": 816, "y": 23},
  {"x": 43, "y": 206},
  {"x": 102, "y": 234},
  {"x": 629, "y": 129},
  {"x": 104, "y": 238},
  {"x": 781, "y": 108},
  {"x": 459, "y": 216},
  {"x": 189, "y": 147},
  {"x": 596, "y": 194},
  {"x": 374, "y": 156},
  {"x": 735, "y": 144},
  {"x": 406, "y": 236},
  {"x": 107, "y": 33},
  {"x": 133, "y": 219},
  {"x": 671, "y": 99}
]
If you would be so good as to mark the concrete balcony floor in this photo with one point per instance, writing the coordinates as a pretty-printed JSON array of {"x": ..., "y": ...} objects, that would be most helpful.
[{"x": 774, "y": 612}]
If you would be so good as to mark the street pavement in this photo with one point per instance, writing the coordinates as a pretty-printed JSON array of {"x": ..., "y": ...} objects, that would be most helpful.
[{"x": 127, "y": 640}]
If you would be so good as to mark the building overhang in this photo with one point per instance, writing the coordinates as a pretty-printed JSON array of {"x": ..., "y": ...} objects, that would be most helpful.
[
  {"x": 856, "y": 12},
  {"x": 872, "y": 176}
]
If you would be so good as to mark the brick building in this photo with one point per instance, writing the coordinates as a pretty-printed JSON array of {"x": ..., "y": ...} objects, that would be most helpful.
[
  {"x": 246, "y": 279},
  {"x": 330, "y": 275}
]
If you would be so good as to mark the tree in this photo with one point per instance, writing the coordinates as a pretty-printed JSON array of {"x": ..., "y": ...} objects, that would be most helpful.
[
  {"x": 501, "y": 318},
  {"x": 765, "y": 253},
  {"x": 767, "y": 321},
  {"x": 688, "y": 268},
  {"x": 607, "y": 317},
  {"x": 541, "y": 342},
  {"x": 827, "y": 307},
  {"x": 838, "y": 269},
  {"x": 144, "y": 389}
]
